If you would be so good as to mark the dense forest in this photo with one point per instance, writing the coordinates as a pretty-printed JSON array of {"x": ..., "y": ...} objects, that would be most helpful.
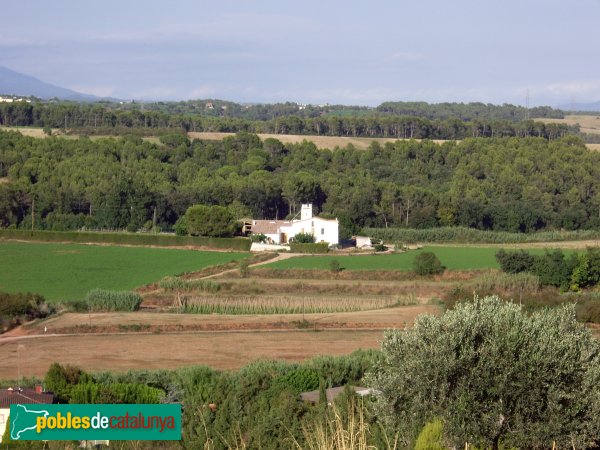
[
  {"x": 509, "y": 184},
  {"x": 440, "y": 123}
]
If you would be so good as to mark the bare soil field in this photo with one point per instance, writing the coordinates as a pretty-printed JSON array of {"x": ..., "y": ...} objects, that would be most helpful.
[
  {"x": 221, "y": 350},
  {"x": 145, "y": 340},
  {"x": 329, "y": 142},
  {"x": 595, "y": 147}
]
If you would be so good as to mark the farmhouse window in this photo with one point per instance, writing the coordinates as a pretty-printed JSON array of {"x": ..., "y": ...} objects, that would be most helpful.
[
  {"x": 322, "y": 230},
  {"x": 1, "y": 418}
]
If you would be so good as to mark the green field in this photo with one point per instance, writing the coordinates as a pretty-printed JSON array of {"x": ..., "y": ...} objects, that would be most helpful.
[
  {"x": 454, "y": 258},
  {"x": 69, "y": 271}
]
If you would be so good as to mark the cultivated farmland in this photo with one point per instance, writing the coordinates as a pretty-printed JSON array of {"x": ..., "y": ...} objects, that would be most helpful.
[
  {"x": 454, "y": 258},
  {"x": 69, "y": 271}
]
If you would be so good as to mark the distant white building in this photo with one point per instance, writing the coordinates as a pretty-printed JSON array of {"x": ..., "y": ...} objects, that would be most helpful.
[{"x": 282, "y": 231}]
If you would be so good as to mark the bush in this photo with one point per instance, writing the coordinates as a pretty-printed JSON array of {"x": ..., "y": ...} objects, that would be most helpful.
[
  {"x": 303, "y": 238},
  {"x": 587, "y": 271},
  {"x": 431, "y": 437},
  {"x": 492, "y": 373},
  {"x": 320, "y": 247},
  {"x": 105, "y": 300},
  {"x": 515, "y": 262},
  {"x": 427, "y": 263},
  {"x": 260, "y": 238},
  {"x": 180, "y": 284},
  {"x": 380, "y": 247},
  {"x": 335, "y": 266},
  {"x": 18, "y": 308}
]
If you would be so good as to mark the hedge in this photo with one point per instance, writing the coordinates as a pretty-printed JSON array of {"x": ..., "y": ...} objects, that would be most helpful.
[
  {"x": 472, "y": 235},
  {"x": 320, "y": 247},
  {"x": 162, "y": 240}
]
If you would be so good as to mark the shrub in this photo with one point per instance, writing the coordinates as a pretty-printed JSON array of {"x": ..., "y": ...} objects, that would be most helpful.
[
  {"x": 380, "y": 247},
  {"x": 180, "y": 284},
  {"x": 431, "y": 437},
  {"x": 492, "y": 373},
  {"x": 105, "y": 300},
  {"x": 244, "y": 268},
  {"x": 427, "y": 263},
  {"x": 587, "y": 271},
  {"x": 260, "y": 238},
  {"x": 18, "y": 308},
  {"x": 514, "y": 262},
  {"x": 301, "y": 380},
  {"x": 335, "y": 266},
  {"x": 303, "y": 238}
]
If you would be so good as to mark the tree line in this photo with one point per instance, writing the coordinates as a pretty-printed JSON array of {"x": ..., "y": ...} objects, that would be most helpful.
[
  {"x": 499, "y": 184},
  {"x": 92, "y": 118},
  {"x": 440, "y": 111}
]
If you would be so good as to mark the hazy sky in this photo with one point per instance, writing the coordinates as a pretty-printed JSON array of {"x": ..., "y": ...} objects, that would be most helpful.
[{"x": 352, "y": 52}]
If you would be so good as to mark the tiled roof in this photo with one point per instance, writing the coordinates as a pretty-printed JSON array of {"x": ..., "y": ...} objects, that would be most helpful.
[
  {"x": 268, "y": 226},
  {"x": 23, "y": 396}
]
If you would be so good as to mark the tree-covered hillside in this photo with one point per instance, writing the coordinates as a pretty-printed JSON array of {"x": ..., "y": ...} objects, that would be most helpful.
[{"x": 513, "y": 184}]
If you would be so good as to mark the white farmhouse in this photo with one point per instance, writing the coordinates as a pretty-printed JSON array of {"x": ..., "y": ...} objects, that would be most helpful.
[{"x": 282, "y": 231}]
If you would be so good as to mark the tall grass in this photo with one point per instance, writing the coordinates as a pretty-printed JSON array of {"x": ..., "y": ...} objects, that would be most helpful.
[
  {"x": 341, "y": 430},
  {"x": 179, "y": 284},
  {"x": 105, "y": 300},
  {"x": 250, "y": 304},
  {"x": 524, "y": 282},
  {"x": 472, "y": 235}
]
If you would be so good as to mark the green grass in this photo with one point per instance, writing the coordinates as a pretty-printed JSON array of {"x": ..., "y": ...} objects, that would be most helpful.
[
  {"x": 454, "y": 258},
  {"x": 69, "y": 271}
]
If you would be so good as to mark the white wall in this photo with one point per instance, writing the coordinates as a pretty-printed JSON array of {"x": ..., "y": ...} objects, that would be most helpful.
[
  {"x": 3, "y": 418},
  {"x": 323, "y": 230}
]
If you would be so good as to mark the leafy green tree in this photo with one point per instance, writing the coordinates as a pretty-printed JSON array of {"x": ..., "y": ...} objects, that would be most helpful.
[
  {"x": 587, "y": 270},
  {"x": 427, "y": 263},
  {"x": 215, "y": 221},
  {"x": 493, "y": 373}
]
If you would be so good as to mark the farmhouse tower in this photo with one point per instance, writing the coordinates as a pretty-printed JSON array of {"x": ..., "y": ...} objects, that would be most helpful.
[{"x": 306, "y": 212}]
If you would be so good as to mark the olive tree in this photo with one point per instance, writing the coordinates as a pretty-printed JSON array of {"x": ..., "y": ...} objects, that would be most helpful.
[{"x": 494, "y": 374}]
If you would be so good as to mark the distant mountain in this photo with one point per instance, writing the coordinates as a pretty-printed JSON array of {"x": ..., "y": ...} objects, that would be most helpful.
[
  {"x": 594, "y": 106},
  {"x": 15, "y": 83}
]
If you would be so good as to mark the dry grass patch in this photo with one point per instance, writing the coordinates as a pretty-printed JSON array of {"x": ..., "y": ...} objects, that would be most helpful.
[
  {"x": 587, "y": 123},
  {"x": 329, "y": 142},
  {"x": 230, "y": 350}
]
